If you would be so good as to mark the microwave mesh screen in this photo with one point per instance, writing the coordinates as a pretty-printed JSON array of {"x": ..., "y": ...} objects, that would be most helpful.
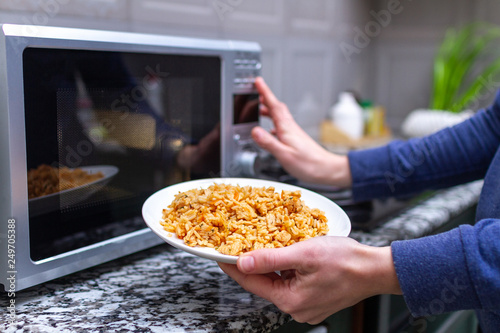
[{"x": 105, "y": 130}]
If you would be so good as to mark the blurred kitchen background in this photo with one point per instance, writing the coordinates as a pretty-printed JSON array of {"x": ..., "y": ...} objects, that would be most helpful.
[{"x": 312, "y": 49}]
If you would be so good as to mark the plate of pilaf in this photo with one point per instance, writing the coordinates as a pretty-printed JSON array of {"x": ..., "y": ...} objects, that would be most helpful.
[
  {"x": 52, "y": 188},
  {"x": 221, "y": 218}
]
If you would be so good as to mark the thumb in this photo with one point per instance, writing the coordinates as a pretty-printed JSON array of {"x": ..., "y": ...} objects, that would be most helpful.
[
  {"x": 267, "y": 141},
  {"x": 269, "y": 260}
]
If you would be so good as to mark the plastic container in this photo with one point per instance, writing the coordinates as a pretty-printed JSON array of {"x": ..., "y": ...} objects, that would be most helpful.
[{"x": 348, "y": 116}]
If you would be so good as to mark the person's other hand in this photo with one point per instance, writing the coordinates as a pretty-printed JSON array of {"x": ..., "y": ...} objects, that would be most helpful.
[
  {"x": 297, "y": 152},
  {"x": 319, "y": 276},
  {"x": 194, "y": 157}
]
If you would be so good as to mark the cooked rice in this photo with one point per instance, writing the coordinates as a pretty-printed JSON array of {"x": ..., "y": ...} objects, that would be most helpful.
[{"x": 234, "y": 219}]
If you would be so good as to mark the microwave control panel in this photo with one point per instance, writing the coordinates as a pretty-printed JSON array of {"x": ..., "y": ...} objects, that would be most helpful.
[{"x": 247, "y": 67}]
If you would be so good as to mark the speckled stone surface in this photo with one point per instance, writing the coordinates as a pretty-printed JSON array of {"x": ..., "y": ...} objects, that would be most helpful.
[
  {"x": 166, "y": 290},
  {"x": 425, "y": 217},
  {"x": 159, "y": 290}
]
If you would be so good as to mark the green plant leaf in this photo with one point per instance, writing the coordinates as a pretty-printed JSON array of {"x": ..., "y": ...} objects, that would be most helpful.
[
  {"x": 460, "y": 59},
  {"x": 478, "y": 86}
]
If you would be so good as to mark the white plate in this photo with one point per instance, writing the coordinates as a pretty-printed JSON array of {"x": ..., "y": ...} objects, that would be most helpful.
[
  {"x": 72, "y": 196},
  {"x": 338, "y": 222}
]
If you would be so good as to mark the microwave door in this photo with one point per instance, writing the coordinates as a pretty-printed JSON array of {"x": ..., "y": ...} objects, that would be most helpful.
[{"x": 105, "y": 130}]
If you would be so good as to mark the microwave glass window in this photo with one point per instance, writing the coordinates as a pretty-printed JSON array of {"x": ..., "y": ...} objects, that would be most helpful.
[
  {"x": 105, "y": 130},
  {"x": 246, "y": 108}
]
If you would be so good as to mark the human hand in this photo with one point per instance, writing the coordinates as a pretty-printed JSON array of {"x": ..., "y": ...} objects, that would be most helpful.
[
  {"x": 319, "y": 277},
  {"x": 297, "y": 152}
]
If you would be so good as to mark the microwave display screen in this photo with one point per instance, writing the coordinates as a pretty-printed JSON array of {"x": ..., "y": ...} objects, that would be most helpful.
[
  {"x": 246, "y": 108},
  {"x": 105, "y": 130}
]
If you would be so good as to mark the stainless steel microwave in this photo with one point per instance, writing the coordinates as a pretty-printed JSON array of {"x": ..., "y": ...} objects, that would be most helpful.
[{"x": 93, "y": 122}]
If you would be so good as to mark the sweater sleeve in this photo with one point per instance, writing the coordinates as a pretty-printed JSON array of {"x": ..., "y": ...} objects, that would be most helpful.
[
  {"x": 456, "y": 270},
  {"x": 449, "y": 157}
]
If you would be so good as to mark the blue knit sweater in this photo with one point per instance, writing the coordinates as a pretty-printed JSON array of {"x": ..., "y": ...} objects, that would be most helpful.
[{"x": 459, "y": 269}]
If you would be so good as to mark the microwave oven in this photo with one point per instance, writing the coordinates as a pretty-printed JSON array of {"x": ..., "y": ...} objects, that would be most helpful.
[{"x": 93, "y": 122}]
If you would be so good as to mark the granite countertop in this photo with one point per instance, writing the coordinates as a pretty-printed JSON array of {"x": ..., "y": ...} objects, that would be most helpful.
[
  {"x": 158, "y": 290},
  {"x": 425, "y": 217},
  {"x": 166, "y": 290}
]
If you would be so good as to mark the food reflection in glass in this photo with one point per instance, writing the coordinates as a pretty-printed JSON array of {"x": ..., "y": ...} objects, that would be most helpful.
[{"x": 46, "y": 179}]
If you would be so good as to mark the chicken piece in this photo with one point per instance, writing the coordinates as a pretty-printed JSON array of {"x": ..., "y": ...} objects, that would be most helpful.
[
  {"x": 283, "y": 237},
  {"x": 232, "y": 249}
]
